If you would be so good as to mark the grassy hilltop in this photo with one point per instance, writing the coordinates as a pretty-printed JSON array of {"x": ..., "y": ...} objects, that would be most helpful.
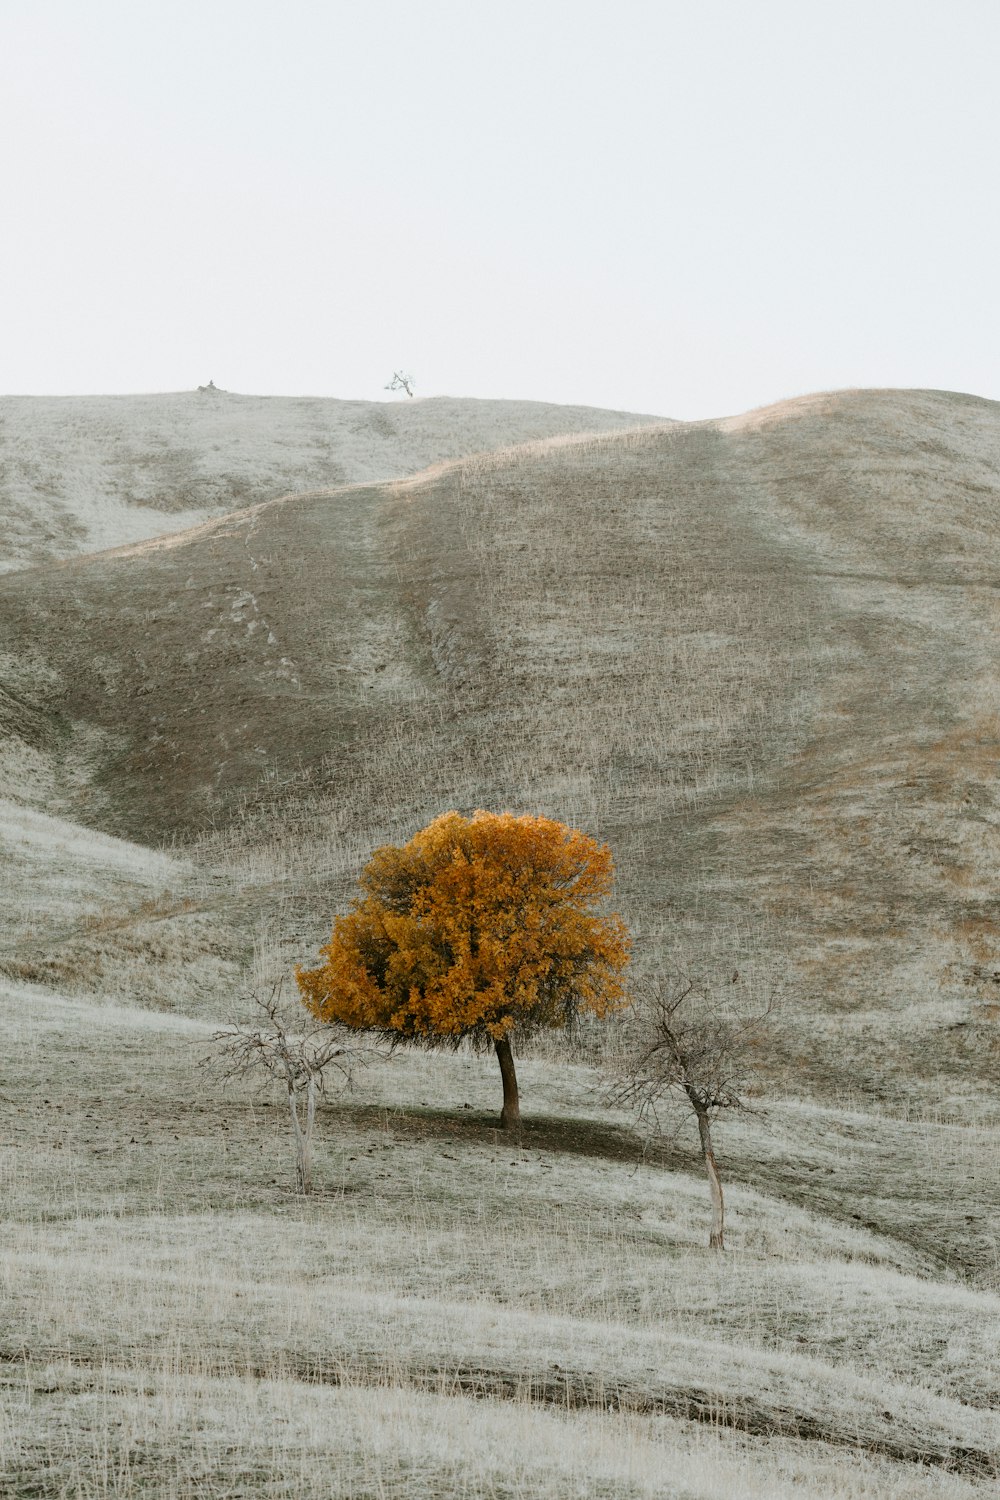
[{"x": 758, "y": 657}]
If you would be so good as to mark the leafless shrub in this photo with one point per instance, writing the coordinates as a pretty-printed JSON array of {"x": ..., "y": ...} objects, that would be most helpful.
[
  {"x": 300, "y": 1061},
  {"x": 400, "y": 382},
  {"x": 693, "y": 1046}
]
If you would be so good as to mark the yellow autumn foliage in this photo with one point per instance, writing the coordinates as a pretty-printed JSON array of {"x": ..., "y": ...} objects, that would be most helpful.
[{"x": 478, "y": 927}]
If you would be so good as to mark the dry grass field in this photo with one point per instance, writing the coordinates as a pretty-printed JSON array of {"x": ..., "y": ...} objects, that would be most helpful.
[
  {"x": 453, "y": 1313},
  {"x": 81, "y": 473},
  {"x": 758, "y": 657}
]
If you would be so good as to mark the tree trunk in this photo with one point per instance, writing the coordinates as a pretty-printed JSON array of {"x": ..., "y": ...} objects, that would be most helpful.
[
  {"x": 714, "y": 1184},
  {"x": 510, "y": 1115},
  {"x": 310, "y": 1131},
  {"x": 303, "y": 1141}
]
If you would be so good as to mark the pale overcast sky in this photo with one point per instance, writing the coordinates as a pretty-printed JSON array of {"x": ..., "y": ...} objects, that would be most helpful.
[{"x": 685, "y": 208}]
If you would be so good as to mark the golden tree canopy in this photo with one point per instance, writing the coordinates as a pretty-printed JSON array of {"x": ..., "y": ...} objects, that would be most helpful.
[{"x": 478, "y": 927}]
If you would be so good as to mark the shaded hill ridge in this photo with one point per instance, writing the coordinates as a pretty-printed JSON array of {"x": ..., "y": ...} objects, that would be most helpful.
[
  {"x": 830, "y": 406},
  {"x": 85, "y": 473},
  {"x": 497, "y": 458},
  {"x": 757, "y": 655}
]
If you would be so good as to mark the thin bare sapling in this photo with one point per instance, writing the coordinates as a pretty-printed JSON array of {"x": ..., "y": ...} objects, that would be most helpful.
[
  {"x": 694, "y": 1045},
  {"x": 300, "y": 1061}
]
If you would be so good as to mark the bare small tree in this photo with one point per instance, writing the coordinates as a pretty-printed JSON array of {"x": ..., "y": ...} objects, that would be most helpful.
[
  {"x": 400, "y": 382},
  {"x": 691, "y": 1047},
  {"x": 300, "y": 1062}
]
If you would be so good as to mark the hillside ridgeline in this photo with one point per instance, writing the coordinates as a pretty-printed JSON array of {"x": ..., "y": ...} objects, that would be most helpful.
[{"x": 755, "y": 655}]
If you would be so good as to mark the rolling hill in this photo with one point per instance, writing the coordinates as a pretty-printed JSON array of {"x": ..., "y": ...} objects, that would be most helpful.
[
  {"x": 757, "y": 655},
  {"x": 81, "y": 473}
]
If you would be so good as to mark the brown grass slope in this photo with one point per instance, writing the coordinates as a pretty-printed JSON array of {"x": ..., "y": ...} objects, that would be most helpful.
[
  {"x": 757, "y": 655},
  {"x": 81, "y": 473}
]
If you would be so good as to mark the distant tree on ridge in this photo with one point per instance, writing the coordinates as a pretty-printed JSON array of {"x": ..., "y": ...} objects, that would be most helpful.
[{"x": 400, "y": 382}]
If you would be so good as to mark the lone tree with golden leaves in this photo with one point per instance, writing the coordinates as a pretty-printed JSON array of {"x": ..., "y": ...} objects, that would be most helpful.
[{"x": 488, "y": 928}]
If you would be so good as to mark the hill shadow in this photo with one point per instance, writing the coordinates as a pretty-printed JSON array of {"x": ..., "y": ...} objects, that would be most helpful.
[{"x": 560, "y": 1134}]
